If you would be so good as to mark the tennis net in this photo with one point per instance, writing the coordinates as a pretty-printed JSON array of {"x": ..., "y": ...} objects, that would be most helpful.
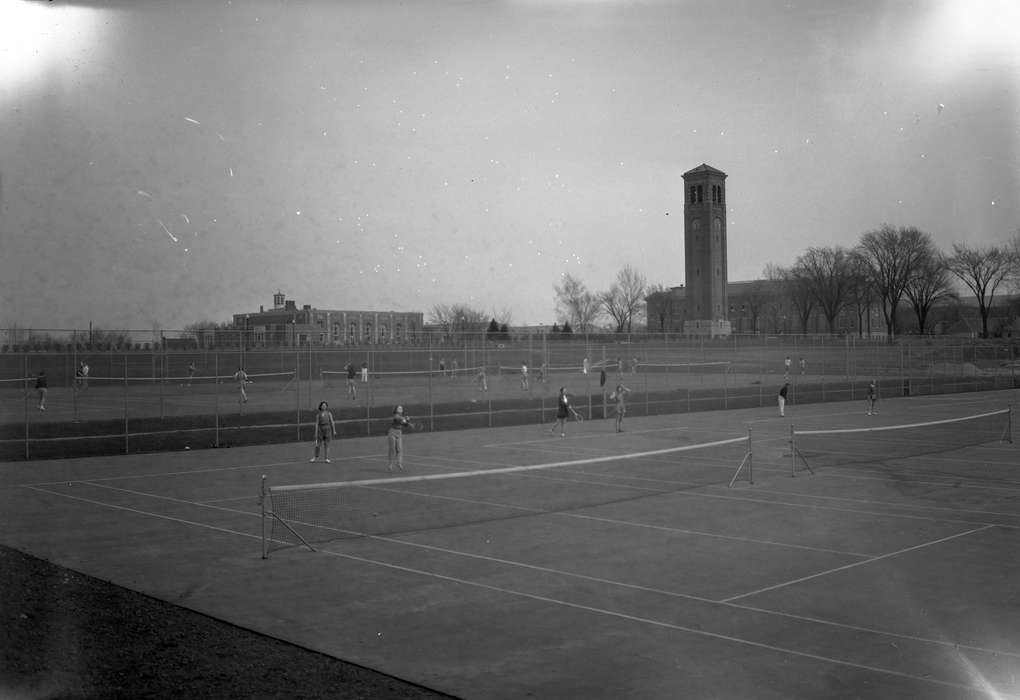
[
  {"x": 309, "y": 514},
  {"x": 338, "y": 378},
  {"x": 17, "y": 383},
  {"x": 720, "y": 367},
  {"x": 811, "y": 449},
  {"x": 280, "y": 380}
]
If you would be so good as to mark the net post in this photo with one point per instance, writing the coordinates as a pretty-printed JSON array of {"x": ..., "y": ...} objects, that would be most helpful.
[
  {"x": 793, "y": 454},
  {"x": 748, "y": 460}
]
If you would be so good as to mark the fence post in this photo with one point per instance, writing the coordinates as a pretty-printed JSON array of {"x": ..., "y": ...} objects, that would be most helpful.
[
  {"x": 25, "y": 375},
  {"x": 126, "y": 430},
  {"x": 216, "y": 398}
]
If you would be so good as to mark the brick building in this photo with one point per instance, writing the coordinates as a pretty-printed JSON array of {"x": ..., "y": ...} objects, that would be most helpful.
[{"x": 287, "y": 325}]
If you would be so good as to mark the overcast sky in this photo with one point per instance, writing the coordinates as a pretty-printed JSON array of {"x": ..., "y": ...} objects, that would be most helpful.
[{"x": 171, "y": 162}]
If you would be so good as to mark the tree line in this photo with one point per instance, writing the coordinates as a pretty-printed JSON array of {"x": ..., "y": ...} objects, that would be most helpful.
[
  {"x": 889, "y": 268},
  {"x": 893, "y": 268}
]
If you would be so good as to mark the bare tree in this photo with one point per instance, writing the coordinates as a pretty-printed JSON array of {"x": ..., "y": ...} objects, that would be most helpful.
[
  {"x": 458, "y": 319},
  {"x": 893, "y": 256},
  {"x": 772, "y": 303},
  {"x": 931, "y": 283},
  {"x": 759, "y": 294},
  {"x": 623, "y": 301},
  {"x": 504, "y": 316},
  {"x": 828, "y": 277},
  {"x": 862, "y": 294},
  {"x": 576, "y": 304},
  {"x": 801, "y": 294},
  {"x": 983, "y": 270}
]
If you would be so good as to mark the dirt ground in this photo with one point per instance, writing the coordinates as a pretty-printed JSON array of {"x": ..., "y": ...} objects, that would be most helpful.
[{"x": 66, "y": 635}]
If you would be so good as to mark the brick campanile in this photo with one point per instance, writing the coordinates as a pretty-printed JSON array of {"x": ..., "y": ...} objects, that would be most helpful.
[{"x": 705, "y": 249}]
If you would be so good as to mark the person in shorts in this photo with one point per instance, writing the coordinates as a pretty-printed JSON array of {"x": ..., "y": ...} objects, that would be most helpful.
[
  {"x": 325, "y": 431},
  {"x": 872, "y": 399},
  {"x": 395, "y": 438},
  {"x": 621, "y": 409},
  {"x": 241, "y": 377},
  {"x": 352, "y": 388},
  {"x": 42, "y": 388}
]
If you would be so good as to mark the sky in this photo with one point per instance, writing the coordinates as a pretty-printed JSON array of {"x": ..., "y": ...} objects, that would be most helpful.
[{"x": 165, "y": 163}]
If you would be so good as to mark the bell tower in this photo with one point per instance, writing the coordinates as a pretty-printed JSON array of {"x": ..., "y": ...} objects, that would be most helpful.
[{"x": 705, "y": 251}]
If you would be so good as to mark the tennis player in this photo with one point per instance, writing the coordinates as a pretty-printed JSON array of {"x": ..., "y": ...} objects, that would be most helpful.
[
  {"x": 782, "y": 398},
  {"x": 82, "y": 375},
  {"x": 483, "y": 384},
  {"x": 42, "y": 388},
  {"x": 352, "y": 388},
  {"x": 325, "y": 430},
  {"x": 563, "y": 411},
  {"x": 872, "y": 398},
  {"x": 621, "y": 408},
  {"x": 364, "y": 373},
  {"x": 395, "y": 438},
  {"x": 241, "y": 377},
  {"x": 192, "y": 370},
  {"x": 524, "y": 376}
]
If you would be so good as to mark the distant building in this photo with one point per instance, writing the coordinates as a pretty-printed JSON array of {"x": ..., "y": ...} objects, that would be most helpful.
[
  {"x": 759, "y": 306},
  {"x": 287, "y": 325}
]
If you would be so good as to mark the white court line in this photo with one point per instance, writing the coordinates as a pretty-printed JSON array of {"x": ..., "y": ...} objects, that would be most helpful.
[
  {"x": 587, "y": 608},
  {"x": 856, "y": 564}
]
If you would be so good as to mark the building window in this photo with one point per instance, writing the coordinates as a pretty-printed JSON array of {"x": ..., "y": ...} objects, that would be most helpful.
[
  {"x": 694, "y": 194},
  {"x": 354, "y": 331},
  {"x": 717, "y": 197}
]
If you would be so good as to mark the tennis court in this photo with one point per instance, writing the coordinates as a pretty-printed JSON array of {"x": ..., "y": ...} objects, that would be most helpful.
[{"x": 702, "y": 555}]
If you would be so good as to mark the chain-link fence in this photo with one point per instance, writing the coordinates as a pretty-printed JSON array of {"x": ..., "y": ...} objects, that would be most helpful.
[{"x": 170, "y": 396}]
